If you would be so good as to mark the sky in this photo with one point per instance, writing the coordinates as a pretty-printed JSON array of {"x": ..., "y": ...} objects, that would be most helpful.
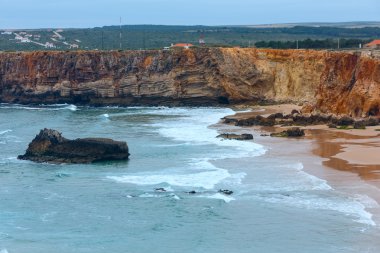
[{"x": 94, "y": 13}]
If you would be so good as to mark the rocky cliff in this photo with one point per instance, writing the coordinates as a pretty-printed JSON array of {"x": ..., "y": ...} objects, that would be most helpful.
[{"x": 346, "y": 83}]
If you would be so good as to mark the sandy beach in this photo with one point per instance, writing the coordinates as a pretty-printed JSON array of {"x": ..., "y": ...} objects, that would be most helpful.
[
  {"x": 342, "y": 157},
  {"x": 354, "y": 150}
]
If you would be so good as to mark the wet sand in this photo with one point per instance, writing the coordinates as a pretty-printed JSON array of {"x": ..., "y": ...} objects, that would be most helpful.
[
  {"x": 354, "y": 150},
  {"x": 349, "y": 152}
]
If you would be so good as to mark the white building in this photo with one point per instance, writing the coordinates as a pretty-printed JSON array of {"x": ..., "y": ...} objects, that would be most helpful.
[
  {"x": 49, "y": 45},
  {"x": 25, "y": 40}
]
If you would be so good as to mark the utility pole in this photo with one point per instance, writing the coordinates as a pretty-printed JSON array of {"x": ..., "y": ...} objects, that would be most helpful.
[
  {"x": 120, "y": 35},
  {"x": 102, "y": 40},
  {"x": 144, "y": 43}
]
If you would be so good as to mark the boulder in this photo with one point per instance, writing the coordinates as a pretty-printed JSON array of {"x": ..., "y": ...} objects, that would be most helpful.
[
  {"x": 229, "y": 120},
  {"x": 256, "y": 121},
  {"x": 240, "y": 137},
  {"x": 292, "y": 132},
  {"x": 276, "y": 116},
  {"x": 345, "y": 121},
  {"x": 50, "y": 146},
  {"x": 360, "y": 124},
  {"x": 371, "y": 121},
  {"x": 331, "y": 125}
]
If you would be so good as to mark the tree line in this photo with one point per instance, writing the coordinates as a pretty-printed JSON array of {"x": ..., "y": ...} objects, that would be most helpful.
[{"x": 313, "y": 44}]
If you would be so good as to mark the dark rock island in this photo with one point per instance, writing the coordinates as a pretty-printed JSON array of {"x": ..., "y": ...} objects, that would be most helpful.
[{"x": 50, "y": 146}]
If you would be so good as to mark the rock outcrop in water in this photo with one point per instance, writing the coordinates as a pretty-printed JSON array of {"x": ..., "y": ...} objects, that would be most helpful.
[
  {"x": 49, "y": 146},
  {"x": 337, "y": 82},
  {"x": 239, "y": 137}
]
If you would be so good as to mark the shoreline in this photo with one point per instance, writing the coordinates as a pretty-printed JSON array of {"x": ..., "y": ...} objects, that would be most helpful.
[
  {"x": 354, "y": 150},
  {"x": 346, "y": 159}
]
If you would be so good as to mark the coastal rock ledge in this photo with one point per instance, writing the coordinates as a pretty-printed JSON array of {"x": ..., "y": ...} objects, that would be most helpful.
[{"x": 51, "y": 147}]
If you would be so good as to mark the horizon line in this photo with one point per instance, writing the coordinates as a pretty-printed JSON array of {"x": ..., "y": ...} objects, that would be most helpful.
[{"x": 194, "y": 25}]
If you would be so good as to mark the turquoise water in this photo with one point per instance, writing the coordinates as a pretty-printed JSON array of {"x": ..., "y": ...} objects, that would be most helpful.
[{"x": 113, "y": 206}]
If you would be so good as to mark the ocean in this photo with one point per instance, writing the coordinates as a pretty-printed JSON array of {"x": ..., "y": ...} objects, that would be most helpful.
[{"x": 276, "y": 205}]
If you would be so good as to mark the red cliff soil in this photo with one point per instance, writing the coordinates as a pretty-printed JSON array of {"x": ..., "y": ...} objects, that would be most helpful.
[{"x": 337, "y": 82}]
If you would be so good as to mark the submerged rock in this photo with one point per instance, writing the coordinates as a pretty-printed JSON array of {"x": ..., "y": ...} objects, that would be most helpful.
[
  {"x": 239, "y": 137},
  {"x": 226, "y": 192},
  {"x": 50, "y": 146}
]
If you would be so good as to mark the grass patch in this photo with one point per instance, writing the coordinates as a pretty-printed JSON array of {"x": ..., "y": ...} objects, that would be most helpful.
[{"x": 344, "y": 127}]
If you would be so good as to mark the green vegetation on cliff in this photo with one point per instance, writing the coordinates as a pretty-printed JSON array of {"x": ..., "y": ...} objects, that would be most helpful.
[
  {"x": 313, "y": 44},
  {"x": 158, "y": 36}
]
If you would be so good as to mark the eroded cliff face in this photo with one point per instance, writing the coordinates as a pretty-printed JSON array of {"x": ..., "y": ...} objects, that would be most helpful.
[{"x": 345, "y": 83}]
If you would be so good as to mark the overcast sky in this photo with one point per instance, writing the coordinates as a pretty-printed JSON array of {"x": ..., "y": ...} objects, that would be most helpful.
[{"x": 91, "y": 13}]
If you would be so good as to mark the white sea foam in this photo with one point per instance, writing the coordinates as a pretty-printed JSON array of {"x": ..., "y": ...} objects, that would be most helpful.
[
  {"x": 221, "y": 196},
  {"x": 71, "y": 107},
  {"x": 150, "y": 195},
  {"x": 206, "y": 179},
  {"x": 347, "y": 206},
  {"x": 7, "y": 160},
  {"x": 5, "y": 131},
  {"x": 193, "y": 127},
  {"x": 54, "y": 107},
  {"x": 312, "y": 182},
  {"x": 285, "y": 178},
  {"x": 176, "y": 197},
  {"x": 4, "y": 251},
  {"x": 200, "y": 174},
  {"x": 292, "y": 186}
]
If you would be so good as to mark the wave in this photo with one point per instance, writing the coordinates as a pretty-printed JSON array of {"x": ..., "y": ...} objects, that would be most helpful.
[
  {"x": 4, "y": 251},
  {"x": 150, "y": 195},
  {"x": 202, "y": 175},
  {"x": 347, "y": 206},
  {"x": 5, "y": 131},
  {"x": 292, "y": 177},
  {"x": 54, "y": 107},
  {"x": 206, "y": 180},
  {"x": 220, "y": 196},
  {"x": 12, "y": 159},
  {"x": 194, "y": 126},
  {"x": 71, "y": 108}
]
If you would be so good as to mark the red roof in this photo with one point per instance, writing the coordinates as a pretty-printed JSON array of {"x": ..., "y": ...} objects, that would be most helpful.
[
  {"x": 183, "y": 45},
  {"x": 373, "y": 43}
]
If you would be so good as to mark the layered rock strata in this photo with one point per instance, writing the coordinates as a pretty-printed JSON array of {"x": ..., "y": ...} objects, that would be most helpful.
[{"x": 336, "y": 82}]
